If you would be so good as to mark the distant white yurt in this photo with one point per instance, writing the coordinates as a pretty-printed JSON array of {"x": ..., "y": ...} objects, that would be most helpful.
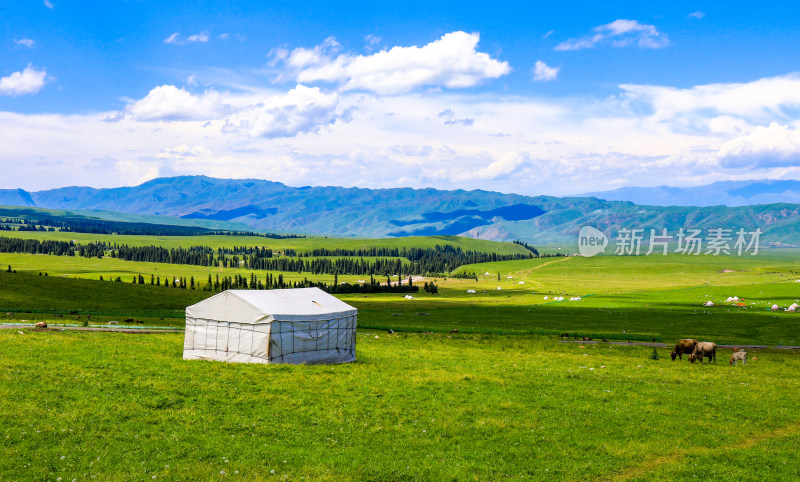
[{"x": 302, "y": 325}]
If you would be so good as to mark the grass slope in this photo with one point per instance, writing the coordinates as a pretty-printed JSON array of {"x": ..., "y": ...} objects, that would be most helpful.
[
  {"x": 43, "y": 295},
  {"x": 635, "y": 298},
  {"x": 36, "y": 213},
  {"x": 433, "y": 407}
]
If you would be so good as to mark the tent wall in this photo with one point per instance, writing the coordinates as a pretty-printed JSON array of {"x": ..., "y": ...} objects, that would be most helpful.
[
  {"x": 226, "y": 341},
  {"x": 325, "y": 341}
]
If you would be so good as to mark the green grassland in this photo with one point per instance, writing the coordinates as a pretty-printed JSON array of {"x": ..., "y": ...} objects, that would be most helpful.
[
  {"x": 499, "y": 399},
  {"x": 38, "y": 298},
  {"x": 414, "y": 406},
  {"x": 636, "y": 298}
]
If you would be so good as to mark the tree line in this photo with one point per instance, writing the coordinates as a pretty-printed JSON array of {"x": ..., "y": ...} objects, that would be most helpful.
[
  {"x": 439, "y": 260},
  {"x": 527, "y": 246},
  {"x": 272, "y": 282}
]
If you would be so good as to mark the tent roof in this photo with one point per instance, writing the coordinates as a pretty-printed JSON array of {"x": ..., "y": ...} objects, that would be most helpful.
[{"x": 263, "y": 306}]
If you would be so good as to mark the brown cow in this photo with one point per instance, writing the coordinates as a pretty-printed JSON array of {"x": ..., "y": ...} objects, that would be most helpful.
[
  {"x": 704, "y": 349},
  {"x": 686, "y": 346}
]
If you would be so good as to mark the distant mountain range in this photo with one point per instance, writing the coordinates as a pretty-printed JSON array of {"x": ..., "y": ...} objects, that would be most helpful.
[
  {"x": 337, "y": 211},
  {"x": 725, "y": 193}
]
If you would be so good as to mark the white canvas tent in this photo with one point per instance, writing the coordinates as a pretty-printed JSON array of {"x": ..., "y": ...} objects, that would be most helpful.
[{"x": 302, "y": 325}]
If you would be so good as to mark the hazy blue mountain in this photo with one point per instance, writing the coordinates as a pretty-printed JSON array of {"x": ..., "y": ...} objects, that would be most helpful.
[
  {"x": 337, "y": 211},
  {"x": 15, "y": 197},
  {"x": 726, "y": 193}
]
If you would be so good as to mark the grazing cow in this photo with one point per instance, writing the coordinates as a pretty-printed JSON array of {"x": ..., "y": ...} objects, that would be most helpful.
[
  {"x": 738, "y": 355},
  {"x": 41, "y": 324},
  {"x": 684, "y": 346},
  {"x": 704, "y": 349}
]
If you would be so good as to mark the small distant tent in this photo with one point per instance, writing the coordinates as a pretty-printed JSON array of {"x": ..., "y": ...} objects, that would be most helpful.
[{"x": 301, "y": 325}]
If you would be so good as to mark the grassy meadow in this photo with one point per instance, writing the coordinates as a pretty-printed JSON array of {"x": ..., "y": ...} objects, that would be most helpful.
[
  {"x": 637, "y": 298},
  {"x": 115, "y": 406},
  {"x": 499, "y": 399}
]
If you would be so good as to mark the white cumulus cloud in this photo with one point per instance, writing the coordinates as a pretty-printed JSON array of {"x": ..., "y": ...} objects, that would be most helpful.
[
  {"x": 621, "y": 33},
  {"x": 25, "y": 42},
  {"x": 29, "y": 81},
  {"x": 302, "y": 109},
  {"x": 170, "y": 103},
  {"x": 508, "y": 164},
  {"x": 765, "y": 146},
  {"x": 759, "y": 100},
  {"x": 645, "y": 135},
  {"x": 543, "y": 72},
  {"x": 451, "y": 61}
]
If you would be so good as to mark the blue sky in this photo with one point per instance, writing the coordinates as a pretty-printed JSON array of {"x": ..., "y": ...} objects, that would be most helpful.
[{"x": 532, "y": 97}]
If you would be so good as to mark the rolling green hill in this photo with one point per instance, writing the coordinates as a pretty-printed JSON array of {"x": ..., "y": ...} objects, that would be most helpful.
[{"x": 120, "y": 219}]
